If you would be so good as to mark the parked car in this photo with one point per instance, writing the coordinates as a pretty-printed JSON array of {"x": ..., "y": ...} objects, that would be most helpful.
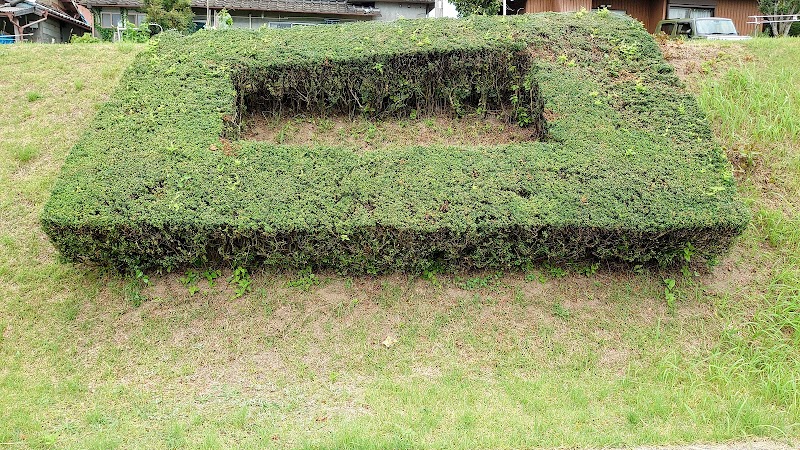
[{"x": 703, "y": 28}]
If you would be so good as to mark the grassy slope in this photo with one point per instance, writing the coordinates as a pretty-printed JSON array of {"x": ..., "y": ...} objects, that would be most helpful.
[{"x": 479, "y": 360}]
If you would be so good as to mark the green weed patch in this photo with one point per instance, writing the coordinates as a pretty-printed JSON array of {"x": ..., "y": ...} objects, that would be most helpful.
[{"x": 620, "y": 165}]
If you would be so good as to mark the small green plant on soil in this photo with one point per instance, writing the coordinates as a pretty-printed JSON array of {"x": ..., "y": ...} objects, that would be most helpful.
[
  {"x": 560, "y": 311},
  {"x": 190, "y": 277},
  {"x": 429, "y": 275},
  {"x": 555, "y": 271},
  {"x": 536, "y": 276},
  {"x": 190, "y": 281},
  {"x": 670, "y": 294},
  {"x": 586, "y": 270},
  {"x": 345, "y": 307},
  {"x": 240, "y": 279},
  {"x": 305, "y": 280},
  {"x": 133, "y": 287},
  {"x": 26, "y": 153},
  {"x": 476, "y": 283},
  {"x": 210, "y": 276}
]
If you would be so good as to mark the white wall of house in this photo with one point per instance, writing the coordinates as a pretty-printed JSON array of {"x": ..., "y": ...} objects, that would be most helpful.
[
  {"x": 256, "y": 19},
  {"x": 394, "y": 11},
  {"x": 110, "y": 17},
  {"x": 107, "y": 17}
]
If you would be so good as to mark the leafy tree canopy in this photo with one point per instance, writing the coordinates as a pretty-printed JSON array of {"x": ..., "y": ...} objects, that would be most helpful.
[
  {"x": 771, "y": 7},
  {"x": 170, "y": 14},
  {"x": 480, "y": 7}
]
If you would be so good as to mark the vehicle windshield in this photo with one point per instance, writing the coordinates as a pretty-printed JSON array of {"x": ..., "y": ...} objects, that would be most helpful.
[{"x": 715, "y": 26}]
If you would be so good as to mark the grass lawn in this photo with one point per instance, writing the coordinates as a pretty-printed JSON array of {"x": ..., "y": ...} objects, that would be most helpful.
[{"x": 559, "y": 356}]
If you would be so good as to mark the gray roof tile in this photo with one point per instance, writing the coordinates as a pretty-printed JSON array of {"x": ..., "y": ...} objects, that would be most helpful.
[{"x": 309, "y": 6}]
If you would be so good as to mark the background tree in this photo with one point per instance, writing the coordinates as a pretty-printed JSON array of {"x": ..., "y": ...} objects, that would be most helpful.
[
  {"x": 224, "y": 19},
  {"x": 482, "y": 7},
  {"x": 771, "y": 7},
  {"x": 170, "y": 14}
]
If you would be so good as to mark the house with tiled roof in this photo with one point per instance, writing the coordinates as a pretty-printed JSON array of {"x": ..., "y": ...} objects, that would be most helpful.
[
  {"x": 650, "y": 12},
  {"x": 253, "y": 14},
  {"x": 49, "y": 21}
]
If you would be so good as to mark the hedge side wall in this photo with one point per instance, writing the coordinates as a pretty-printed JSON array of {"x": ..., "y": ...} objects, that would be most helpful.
[{"x": 628, "y": 169}]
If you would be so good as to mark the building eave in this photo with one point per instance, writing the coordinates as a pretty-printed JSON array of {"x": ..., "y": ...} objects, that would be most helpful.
[
  {"x": 340, "y": 8},
  {"x": 25, "y": 8}
]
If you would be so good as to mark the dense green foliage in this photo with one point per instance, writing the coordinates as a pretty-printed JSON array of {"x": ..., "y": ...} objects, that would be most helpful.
[
  {"x": 467, "y": 8},
  {"x": 170, "y": 14},
  {"x": 627, "y": 171},
  {"x": 84, "y": 39},
  {"x": 770, "y": 7}
]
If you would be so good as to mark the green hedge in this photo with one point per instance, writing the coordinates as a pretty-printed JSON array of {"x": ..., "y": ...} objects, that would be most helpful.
[{"x": 625, "y": 168}]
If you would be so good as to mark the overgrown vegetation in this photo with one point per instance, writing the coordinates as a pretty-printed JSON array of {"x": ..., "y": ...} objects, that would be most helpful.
[
  {"x": 466, "y": 8},
  {"x": 627, "y": 171},
  {"x": 84, "y": 39},
  {"x": 174, "y": 15}
]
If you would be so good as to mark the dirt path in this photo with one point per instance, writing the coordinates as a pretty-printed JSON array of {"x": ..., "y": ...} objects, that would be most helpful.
[{"x": 693, "y": 61}]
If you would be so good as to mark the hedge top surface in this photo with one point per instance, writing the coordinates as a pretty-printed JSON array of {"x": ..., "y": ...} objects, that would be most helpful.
[{"x": 627, "y": 149}]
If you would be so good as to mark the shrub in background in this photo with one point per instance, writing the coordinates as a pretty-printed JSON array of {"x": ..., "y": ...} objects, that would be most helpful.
[
  {"x": 467, "y": 8},
  {"x": 170, "y": 14},
  {"x": 84, "y": 39}
]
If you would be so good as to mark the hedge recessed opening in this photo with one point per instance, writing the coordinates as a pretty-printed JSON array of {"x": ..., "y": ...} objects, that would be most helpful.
[{"x": 486, "y": 83}]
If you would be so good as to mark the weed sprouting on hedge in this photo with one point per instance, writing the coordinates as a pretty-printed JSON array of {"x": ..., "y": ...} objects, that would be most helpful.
[{"x": 627, "y": 170}]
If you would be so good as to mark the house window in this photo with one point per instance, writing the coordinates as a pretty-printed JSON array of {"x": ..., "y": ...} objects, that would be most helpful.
[
  {"x": 685, "y": 12},
  {"x": 137, "y": 18},
  {"x": 280, "y": 25},
  {"x": 110, "y": 20}
]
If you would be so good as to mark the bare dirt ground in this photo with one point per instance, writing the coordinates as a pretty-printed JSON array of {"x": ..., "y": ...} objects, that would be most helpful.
[{"x": 694, "y": 61}]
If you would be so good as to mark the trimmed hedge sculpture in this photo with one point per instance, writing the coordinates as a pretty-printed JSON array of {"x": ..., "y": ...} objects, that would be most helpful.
[{"x": 621, "y": 164}]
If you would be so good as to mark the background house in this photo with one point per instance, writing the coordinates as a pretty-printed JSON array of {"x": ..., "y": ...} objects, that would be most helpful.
[
  {"x": 47, "y": 21},
  {"x": 270, "y": 13},
  {"x": 650, "y": 12}
]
